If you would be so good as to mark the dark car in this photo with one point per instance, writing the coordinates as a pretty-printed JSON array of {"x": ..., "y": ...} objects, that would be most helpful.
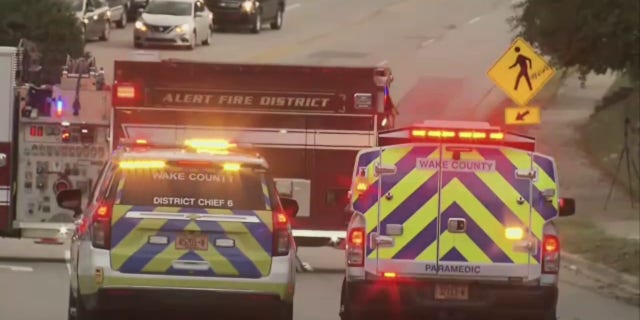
[
  {"x": 94, "y": 17},
  {"x": 250, "y": 13}
]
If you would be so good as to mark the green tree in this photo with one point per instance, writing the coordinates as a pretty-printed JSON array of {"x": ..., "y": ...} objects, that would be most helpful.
[
  {"x": 590, "y": 35},
  {"x": 50, "y": 24}
]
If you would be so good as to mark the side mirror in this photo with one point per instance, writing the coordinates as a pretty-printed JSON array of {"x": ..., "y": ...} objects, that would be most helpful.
[
  {"x": 290, "y": 206},
  {"x": 70, "y": 199},
  {"x": 3, "y": 160},
  {"x": 567, "y": 207}
]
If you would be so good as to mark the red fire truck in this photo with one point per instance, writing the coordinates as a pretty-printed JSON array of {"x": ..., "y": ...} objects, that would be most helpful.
[
  {"x": 51, "y": 138},
  {"x": 308, "y": 122}
]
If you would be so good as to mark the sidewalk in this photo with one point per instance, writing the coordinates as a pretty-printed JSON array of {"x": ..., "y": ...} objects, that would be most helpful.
[{"x": 17, "y": 250}]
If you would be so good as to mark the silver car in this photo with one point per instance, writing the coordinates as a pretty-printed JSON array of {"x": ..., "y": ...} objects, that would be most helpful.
[{"x": 183, "y": 23}]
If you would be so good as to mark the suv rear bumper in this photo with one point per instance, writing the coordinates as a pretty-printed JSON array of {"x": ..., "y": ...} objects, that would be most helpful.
[
  {"x": 417, "y": 298},
  {"x": 143, "y": 299}
]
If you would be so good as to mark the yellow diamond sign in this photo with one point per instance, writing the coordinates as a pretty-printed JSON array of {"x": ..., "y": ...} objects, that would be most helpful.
[{"x": 520, "y": 72}]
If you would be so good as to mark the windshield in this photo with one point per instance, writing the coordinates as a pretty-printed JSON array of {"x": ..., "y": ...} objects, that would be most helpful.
[
  {"x": 173, "y": 8},
  {"x": 192, "y": 188},
  {"x": 76, "y": 5}
]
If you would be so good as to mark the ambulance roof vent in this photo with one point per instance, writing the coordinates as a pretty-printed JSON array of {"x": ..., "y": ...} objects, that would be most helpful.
[{"x": 446, "y": 124}]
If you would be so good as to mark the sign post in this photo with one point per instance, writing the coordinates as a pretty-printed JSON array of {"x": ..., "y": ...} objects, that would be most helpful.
[{"x": 521, "y": 73}]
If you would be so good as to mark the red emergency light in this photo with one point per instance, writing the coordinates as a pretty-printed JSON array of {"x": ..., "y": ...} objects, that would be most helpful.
[{"x": 126, "y": 94}]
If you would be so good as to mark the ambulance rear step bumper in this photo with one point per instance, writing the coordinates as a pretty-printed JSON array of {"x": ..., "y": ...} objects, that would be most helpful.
[
  {"x": 418, "y": 299},
  {"x": 141, "y": 300}
]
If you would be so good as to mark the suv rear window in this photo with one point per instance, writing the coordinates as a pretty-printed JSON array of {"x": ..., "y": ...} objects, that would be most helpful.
[{"x": 191, "y": 188}]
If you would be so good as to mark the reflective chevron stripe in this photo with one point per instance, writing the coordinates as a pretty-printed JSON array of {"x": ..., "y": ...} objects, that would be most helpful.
[{"x": 250, "y": 257}]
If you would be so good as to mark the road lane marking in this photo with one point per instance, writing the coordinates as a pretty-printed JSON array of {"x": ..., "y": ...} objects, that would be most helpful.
[
  {"x": 17, "y": 268},
  {"x": 382, "y": 63},
  {"x": 292, "y": 6},
  {"x": 474, "y": 20},
  {"x": 426, "y": 43}
]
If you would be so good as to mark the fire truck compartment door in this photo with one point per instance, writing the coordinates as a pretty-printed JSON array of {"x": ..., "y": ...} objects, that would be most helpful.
[{"x": 298, "y": 189}]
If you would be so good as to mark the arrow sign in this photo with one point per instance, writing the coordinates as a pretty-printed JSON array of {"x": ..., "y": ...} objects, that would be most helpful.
[{"x": 522, "y": 116}]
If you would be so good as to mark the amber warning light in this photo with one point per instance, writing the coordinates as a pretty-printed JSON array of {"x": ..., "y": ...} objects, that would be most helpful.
[{"x": 461, "y": 134}]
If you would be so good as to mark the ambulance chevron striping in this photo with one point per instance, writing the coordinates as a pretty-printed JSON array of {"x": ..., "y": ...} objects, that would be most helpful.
[
  {"x": 546, "y": 165},
  {"x": 265, "y": 192},
  {"x": 475, "y": 233},
  {"x": 462, "y": 248},
  {"x": 398, "y": 156},
  {"x": 400, "y": 213}
]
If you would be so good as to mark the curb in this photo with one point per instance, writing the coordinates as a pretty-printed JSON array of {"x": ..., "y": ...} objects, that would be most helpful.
[
  {"x": 627, "y": 286},
  {"x": 34, "y": 259}
]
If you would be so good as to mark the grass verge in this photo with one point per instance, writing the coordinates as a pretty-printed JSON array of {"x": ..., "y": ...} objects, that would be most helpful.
[
  {"x": 584, "y": 238},
  {"x": 603, "y": 137}
]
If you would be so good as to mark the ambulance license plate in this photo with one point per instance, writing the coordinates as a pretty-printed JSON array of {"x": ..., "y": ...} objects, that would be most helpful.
[
  {"x": 192, "y": 242},
  {"x": 452, "y": 292}
]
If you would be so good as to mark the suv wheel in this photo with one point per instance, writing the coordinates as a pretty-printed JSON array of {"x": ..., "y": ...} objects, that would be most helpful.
[
  {"x": 277, "y": 24},
  {"x": 122, "y": 23},
  {"x": 257, "y": 23}
]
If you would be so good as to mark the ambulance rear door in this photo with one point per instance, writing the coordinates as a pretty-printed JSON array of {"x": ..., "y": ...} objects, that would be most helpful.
[
  {"x": 406, "y": 234},
  {"x": 485, "y": 223}
]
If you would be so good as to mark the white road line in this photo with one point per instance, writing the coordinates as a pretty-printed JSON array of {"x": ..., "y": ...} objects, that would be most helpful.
[
  {"x": 382, "y": 63},
  {"x": 293, "y": 6},
  {"x": 426, "y": 43},
  {"x": 474, "y": 20},
  {"x": 17, "y": 268}
]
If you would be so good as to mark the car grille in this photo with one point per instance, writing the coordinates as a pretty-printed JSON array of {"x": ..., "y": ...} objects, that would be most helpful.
[{"x": 162, "y": 29}]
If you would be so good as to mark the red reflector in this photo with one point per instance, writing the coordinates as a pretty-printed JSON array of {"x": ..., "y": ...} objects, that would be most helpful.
[
  {"x": 551, "y": 244},
  {"x": 356, "y": 237},
  {"x": 389, "y": 274}
]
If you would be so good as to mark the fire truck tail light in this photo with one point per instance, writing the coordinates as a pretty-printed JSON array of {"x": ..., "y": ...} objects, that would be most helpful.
[
  {"x": 550, "y": 254},
  {"x": 355, "y": 247},
  {"x": 126, "y": 92}
]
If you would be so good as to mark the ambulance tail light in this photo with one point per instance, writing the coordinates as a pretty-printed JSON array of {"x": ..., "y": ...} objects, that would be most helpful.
[
  {"x": 281, "y": 234},
  {"x": 550, "y": 254},
  {"x": 101, "y": 226},
  {"x": 355, "y": 247},
  {"x": 126, "y": 95}
]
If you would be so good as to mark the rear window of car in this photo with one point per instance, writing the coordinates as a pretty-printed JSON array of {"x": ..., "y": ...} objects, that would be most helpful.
[{"x": 191, "y": 188}]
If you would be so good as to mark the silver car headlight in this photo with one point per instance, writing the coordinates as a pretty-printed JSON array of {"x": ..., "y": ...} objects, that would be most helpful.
[
  {"x": 183, "y": 28},
  {"x": 140, "y": 26},
  {"x": 248, "y": 6}
]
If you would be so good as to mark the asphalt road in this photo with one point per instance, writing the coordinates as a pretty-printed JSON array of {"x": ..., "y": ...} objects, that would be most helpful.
[
  {"x": 439, "y": 51},
  {"x": 38, "y": 291}
]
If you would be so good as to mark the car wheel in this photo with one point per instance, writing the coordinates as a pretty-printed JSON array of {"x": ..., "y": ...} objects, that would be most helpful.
[
  {"x": 106, "y": 32},
  {"x": 122, "y": 23},
  {"x": 194, "y": 38},
  {"x": 277, "y": 25},
  {"x": 257, "y": 23},
  {"x": 207, "y": 40}
]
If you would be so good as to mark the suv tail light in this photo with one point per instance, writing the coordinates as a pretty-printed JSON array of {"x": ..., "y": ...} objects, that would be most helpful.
[
  {"x": 101, "y": 226},
  {"x": 281, "y": 235},
  {"x": 355, "y": 247},
  {"x": 550, "y": 254}
]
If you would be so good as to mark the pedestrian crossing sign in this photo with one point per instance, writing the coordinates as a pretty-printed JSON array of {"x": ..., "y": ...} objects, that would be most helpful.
[{"x": 520, "y": 72}]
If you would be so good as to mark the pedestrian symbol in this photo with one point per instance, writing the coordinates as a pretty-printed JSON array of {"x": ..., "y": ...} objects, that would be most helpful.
[{"x": 520, "y": 72}]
